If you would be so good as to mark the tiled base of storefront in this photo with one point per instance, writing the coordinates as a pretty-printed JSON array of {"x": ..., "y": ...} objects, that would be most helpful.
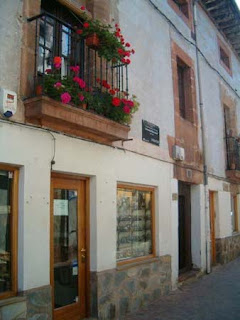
[
  {"x": 114, "y": 293},
  {"x": 117, "y": 292},
  {"x": 228, "y": 249},
  {"x": 31, "y": 305}
]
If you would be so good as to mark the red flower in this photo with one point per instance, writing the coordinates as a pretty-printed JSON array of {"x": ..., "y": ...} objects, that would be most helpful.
[
  {"x": 57, "y": 60},
  {"x": 126, "y": 109},
  {"x": 121, "y": 51},
  {"x": 82, "y": 8},
  {"x": 79, "y": 31},
  {"x": 128, "y": 61},
  {"x": 116, "y": 102},
  {"x": 124, "y": 101},
  {"x": 133, "y": 51},
  {"x": 112, "y": 92},
  {"x": 123, "y": 60},
  {"x": 117, "y": 34},
  {"x": 86, "y": 25},
  {"x": 108, "y": 86},
  {"x": 127, "y": 44},
  {"x": 116, "y": 25},
  {"x": 127, "y": 54},
  {"x": 98, "y": 80},
  {"x": 48, "y": 70}
]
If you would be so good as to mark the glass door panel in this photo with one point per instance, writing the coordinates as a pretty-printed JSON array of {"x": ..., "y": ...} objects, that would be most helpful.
[{"x": 65, "y": 247}]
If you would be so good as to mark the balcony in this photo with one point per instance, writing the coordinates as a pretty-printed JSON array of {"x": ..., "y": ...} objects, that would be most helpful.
[
  {"x": 97, "y": 104},
  {"x": 233, "y": 158}
]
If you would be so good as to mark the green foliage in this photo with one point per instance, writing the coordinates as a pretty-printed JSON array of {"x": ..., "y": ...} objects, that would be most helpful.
[{"x": 98, "y": 100}]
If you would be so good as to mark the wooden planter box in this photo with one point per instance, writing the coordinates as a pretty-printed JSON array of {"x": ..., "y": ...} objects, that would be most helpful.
[{"x": 48, "y": 113}]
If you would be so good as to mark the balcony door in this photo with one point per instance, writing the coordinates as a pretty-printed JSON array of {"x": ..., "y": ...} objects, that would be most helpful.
[{"x": 68, "y": 248}]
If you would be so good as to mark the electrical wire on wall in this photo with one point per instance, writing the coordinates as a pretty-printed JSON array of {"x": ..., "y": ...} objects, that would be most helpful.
[{"x": 193, "y": 44}]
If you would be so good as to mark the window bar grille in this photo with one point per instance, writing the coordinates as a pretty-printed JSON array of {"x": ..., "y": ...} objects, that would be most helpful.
[
  {"x": 95, "y": 68},
  {"x": 127, "y": 80},
  {"x": 106, "y": 73},
  {"x": 101, "y": 67},
  {"x": 36, "y": 56}
]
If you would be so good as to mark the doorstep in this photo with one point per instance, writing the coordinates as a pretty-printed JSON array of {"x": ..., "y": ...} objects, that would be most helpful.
[{"x": 189, "y": 276}]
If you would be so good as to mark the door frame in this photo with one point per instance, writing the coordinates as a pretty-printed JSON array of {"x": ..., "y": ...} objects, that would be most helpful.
[
  {"x": 212, "y": 214},
  {"x": 64, "y": 312}
]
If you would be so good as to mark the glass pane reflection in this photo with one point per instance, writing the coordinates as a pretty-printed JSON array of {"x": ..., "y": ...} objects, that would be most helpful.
[
  {"x": 65, "y": 247},
  {"x": 5, "y": 231}
]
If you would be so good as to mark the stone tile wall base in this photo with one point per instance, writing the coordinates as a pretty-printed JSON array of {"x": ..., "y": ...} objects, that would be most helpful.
[
  {"x": 118, "y": 292},
  {"x": 227, "y": 249},
  {"x": 39, "y": 303}
]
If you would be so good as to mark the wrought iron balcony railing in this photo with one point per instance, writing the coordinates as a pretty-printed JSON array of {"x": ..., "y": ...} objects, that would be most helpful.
[
  {"x": 233, "y": 153},
  {"x": 54, "y": 37}
]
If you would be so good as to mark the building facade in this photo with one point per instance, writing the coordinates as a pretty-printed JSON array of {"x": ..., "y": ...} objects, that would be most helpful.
[{"x": 97, "y": 221}]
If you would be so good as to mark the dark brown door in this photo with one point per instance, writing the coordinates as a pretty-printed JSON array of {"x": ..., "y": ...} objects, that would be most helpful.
[
  {"x": 184, "y": 227},
  {"x": 68, "y": 248},
  {"x": 212, "y": 226}
]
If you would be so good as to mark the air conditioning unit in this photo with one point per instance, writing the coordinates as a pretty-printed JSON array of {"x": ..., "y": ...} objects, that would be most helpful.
[{"x": 178, "y": 153}]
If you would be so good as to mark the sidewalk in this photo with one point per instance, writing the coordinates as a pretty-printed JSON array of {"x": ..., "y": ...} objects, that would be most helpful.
[{"x": 213, "y": 297}]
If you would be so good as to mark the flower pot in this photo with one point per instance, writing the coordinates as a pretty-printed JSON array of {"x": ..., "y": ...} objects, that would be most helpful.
[
  {"x": 92, "y": 41},
  {"x": 39, "y": 90},
  {"x": 233, "y": 166}
]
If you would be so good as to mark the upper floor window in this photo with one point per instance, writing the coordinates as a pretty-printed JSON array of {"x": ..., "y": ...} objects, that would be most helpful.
[
  {"x": 183, "y": 6},
  {"x": 183, "y": 9},
  {"x": 225, "y": 57},
  {"x": 8, "y": 231},
  {"x": 183, "y": 73}
]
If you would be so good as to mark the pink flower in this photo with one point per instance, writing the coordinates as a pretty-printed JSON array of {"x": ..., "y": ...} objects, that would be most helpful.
[
  {"x": 58, "y": 85},
  {"x": 81, "y": 97},
  {"x": 75, "y": 69},
  {"x": 57, "y": 65},
  {"x": 126, "y": 109},
  {"x": 83, "y": 8},
  {"x": 130, "y": 103},
  {"x": 65, "y": 97},
  {"x": 80, "y": 82}
]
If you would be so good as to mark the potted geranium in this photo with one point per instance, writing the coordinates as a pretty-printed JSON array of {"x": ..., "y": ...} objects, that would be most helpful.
[
  {"x": 109, "y": 42},
  {"x": 103, "y": 100}
]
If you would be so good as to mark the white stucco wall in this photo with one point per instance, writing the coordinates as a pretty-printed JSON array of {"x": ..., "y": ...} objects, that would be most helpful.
[{"x": 106, "y": 167}]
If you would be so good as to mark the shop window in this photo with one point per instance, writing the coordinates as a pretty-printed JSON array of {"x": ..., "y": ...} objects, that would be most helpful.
[
  {"x": 135, "y": 223},
  {"x": 234, "y": 213},
  {"x": 8, "y": 231},
  {"x": 184, "y": 82}
]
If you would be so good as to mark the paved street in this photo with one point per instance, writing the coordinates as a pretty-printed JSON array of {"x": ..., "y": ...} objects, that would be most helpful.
[{"x": 213, "y": 297}]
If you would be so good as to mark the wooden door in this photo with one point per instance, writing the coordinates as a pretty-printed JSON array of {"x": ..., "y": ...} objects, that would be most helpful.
[
  {"x": 68, "y": 248},
  {"x": 212, "y": 226}
]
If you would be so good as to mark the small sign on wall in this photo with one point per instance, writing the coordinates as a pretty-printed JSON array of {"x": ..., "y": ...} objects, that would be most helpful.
[{"x": 150, "y": 133}]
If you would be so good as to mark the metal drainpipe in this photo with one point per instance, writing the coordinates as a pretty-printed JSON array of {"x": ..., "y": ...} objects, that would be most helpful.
[{"x": 202, "y": 122}]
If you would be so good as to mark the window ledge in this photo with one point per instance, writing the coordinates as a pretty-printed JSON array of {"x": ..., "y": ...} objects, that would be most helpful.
[
  {"x": 137, "y": 263},
  {"x": 13, "y": 300},
  {"x": 48, "y": 113}
]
